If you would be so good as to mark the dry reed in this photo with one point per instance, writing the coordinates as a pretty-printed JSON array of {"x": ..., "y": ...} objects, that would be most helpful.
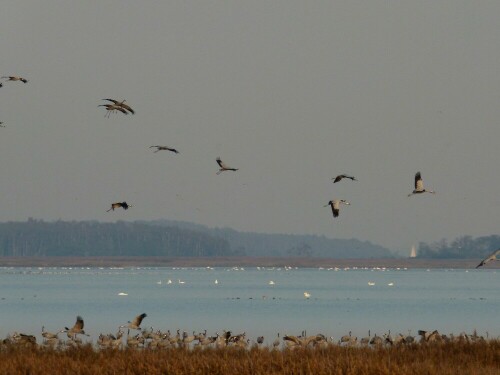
[{"x": 481, "y": 358}]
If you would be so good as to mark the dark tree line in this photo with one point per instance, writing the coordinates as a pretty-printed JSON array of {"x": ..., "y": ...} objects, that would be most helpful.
[
  {"x": 90, "y": 238},
  {"x": 464, "y": 247}
]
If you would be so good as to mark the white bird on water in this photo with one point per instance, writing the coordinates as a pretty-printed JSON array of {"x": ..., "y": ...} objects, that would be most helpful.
[
  {"x": 307, "y": 295},
  {"x": 371, "y": 283},
  {"x": 216, "y": 281},
  {"x": 271, "y": 282}
]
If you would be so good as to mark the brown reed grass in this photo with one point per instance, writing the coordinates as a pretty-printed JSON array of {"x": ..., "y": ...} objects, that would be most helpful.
[{"x": 481, "y": 358}]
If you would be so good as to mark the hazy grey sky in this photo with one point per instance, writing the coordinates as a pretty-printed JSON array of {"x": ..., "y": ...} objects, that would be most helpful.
[{"x": 291, "y": 92}]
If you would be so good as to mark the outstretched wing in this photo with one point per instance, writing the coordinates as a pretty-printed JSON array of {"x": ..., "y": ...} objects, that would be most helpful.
[
  {"x": 138, "y": 319},
  {"x": 112, "y": 100},
  {"x": 79, "y": 323},
  {"x": 118, "y": 108},
  {"x": 127, "y": 107},
  {"x": 419, "y": 183},
  {"x": 335, "y": 211},
  {"x": 221, "y": 163},
  {"x": 489, "y": 258}
]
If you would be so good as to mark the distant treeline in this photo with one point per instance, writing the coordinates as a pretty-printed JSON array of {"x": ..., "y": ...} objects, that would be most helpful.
[
  {"x": 464, "y": 247},
  {"x": 288, "y": 245},
  {"x": 89, "y": 238},
  {"x": 37, "y": 238}
]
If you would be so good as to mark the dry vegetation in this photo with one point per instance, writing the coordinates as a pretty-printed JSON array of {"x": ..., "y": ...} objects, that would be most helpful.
[{"x": 481, "y": 358}]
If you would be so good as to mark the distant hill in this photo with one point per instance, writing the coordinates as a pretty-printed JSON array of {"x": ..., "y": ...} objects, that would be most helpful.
[
  {"x": 286, "y": 245},
  {"x": 38, "y": 238}
]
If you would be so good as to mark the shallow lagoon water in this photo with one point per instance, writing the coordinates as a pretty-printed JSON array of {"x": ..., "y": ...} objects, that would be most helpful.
[{"x": 341, "y": 300}]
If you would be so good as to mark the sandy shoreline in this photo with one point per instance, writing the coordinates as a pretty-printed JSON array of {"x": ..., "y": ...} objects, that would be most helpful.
[{"x": 237, "y": 261}]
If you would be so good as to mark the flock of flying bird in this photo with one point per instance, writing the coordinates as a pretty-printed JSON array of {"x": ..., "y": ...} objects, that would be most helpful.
[
  {"x": 114, "y": 105},
  {"x": 120, "y": 106}
]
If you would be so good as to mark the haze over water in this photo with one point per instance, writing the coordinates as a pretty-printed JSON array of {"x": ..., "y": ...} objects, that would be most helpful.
[
  {"x": 450, "y": 301},
  {"x": 290, "y": 92}
]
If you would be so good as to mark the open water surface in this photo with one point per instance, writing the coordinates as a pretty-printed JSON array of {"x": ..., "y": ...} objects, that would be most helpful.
[{"x": 341, "y": 300}]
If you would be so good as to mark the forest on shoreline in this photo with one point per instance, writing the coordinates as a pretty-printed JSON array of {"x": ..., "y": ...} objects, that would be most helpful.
[
  {"x": 172, "y": 239},
  {"x": 38, "y": 238}
]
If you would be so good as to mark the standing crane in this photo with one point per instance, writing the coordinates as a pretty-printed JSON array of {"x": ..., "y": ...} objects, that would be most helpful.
[
  {"x": 335, "y": 205},
  {"x": 419, "y": 186},
  {"x": 223, "y": 166}
]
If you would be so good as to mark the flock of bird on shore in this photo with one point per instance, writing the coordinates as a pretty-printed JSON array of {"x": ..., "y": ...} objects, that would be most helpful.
[{"x": 157, "y": 339}]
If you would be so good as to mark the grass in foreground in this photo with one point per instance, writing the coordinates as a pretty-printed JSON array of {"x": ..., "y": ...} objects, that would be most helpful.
[{"x": 481, "y": 358}]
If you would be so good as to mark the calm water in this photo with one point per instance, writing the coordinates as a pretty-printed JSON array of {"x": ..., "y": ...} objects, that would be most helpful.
[{"x": 243, "y": 300}]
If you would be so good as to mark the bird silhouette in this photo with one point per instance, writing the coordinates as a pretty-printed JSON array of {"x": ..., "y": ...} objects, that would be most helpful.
[
  {"x": 335, "y": 205},
  {"x": 419, "y": 186},
  {"x": 342, "y": 176},
  {"x": 123, "y": 205},
  {"x": 223, "y": 166}
]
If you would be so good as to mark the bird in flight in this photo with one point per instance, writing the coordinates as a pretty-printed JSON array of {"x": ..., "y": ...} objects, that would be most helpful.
[
  {"x": 123, "y": 205},
  {"x": 419, "y": 186},
  {"x": 335, "y": 205},
  {"x": 16, "y": 78},
  {"x": 342, "y": 176},
  {"x": 77, "y": 329},
  {"x": 489, "y": 258},
  {"x": 121, "y": 104},
  {"x": 223, "y": 166},
  {"x": 164, "y": 148},
  {"x": 135, "y": 324},
  {"x": 110, "y": 108}
]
